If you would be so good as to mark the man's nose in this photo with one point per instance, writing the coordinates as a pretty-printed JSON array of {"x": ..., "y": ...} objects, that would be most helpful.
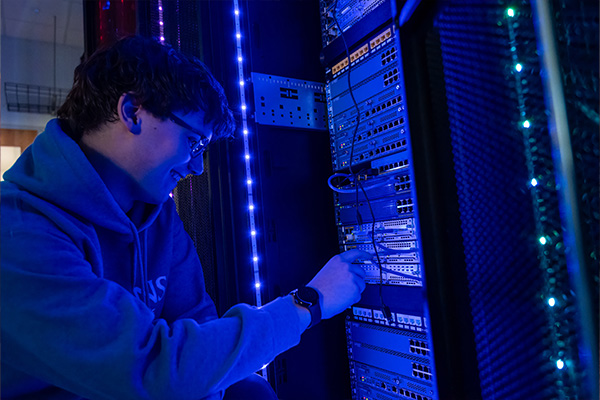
[{"x": 196, "y": 165}]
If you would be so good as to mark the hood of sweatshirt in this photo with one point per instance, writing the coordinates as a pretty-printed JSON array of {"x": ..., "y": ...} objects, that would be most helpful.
[{"x": 56, "y": 169}]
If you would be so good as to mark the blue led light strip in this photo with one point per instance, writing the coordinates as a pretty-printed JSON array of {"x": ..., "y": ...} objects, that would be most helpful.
[
  {"x": 249, "y": 180},
  {"x": 161, "y": 22}
]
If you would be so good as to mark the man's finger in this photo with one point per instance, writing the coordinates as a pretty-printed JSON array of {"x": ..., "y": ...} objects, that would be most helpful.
[
  {"x": 351, "y": 255},
  {"x": 358, "y": 270}
]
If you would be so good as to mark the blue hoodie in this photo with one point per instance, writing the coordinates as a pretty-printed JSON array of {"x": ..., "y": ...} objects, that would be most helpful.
[{"x": 76, "y": 320}]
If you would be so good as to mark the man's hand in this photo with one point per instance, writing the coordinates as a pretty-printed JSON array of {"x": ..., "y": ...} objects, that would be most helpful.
[{"x": 340, "y": 282}]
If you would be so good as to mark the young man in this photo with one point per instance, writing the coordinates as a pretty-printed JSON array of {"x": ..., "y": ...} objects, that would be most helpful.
[{"x": 102, "y": 292}]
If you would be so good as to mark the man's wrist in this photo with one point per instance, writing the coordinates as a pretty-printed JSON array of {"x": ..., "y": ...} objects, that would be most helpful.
[{"x": 303, "y": 313}]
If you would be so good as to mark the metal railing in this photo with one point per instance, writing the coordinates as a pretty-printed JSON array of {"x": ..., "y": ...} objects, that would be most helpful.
[{"x": 22, "y": 97}]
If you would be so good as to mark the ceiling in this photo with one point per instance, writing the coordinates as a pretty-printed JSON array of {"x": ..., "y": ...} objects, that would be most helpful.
[{"x": 34, "y": 20}]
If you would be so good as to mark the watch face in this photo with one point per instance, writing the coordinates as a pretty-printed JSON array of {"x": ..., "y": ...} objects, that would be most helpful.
[{"x": 308, "y": 294}]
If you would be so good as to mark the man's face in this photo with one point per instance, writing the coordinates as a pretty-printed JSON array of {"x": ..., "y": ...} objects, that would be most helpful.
[{"x": 163, "y": 156}]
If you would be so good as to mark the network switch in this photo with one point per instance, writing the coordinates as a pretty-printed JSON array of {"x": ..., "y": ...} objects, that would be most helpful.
[{"x": 346, "y": 12}]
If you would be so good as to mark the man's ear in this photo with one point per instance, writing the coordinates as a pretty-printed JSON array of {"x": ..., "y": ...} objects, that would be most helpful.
[{"x": 127, "y": 109}]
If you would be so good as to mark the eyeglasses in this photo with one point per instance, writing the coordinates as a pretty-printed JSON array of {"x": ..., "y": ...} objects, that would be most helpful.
[{"x": 196, "y": 147}]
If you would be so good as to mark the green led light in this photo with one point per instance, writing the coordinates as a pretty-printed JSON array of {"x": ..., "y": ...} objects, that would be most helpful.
[
  {"x": 560, "y": 364},
  {"x": 543, "y": 240},
  {"x": 510, "y": 12},
  {"x": 519, "y": 67},
  {"x": 526, "y": 124},
  {"x": 551, "y": 301},
  {"x": 534, "y": 182}
]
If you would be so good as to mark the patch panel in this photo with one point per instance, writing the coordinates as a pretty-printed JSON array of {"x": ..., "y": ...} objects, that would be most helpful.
[
  {"x": 379, "y": 360},
  {"x": 370, "y": 381},
  {"x": 340, "y": 66},
  {"x": 388, "y": 277},
  {"x": 385, "y": 105},
  {"x": 400, "y": 229},
  {"x": 363, "y": 73},
  {"x": 393, "y": 166},
  {"x": 362, "y": 154},
  {"x": 381, "y": 38},
  {"x": 359, "y": 53},
  {"x": 398, "y": 321},
  {"x": 384, "y": 139},
  {"x": 380, "y": 107},
  {"x": 383, "y": 209},
  {"x": 393, "y": 246},
  {"x": 376, "y": 188},
  {"x": 383, "y": 128}
]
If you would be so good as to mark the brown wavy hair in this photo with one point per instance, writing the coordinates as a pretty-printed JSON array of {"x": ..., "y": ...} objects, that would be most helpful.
[{"x": 160, "y": 78}]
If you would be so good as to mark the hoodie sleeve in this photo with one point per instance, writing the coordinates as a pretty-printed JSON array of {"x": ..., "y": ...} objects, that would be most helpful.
[{"x": 64, "y": 325}]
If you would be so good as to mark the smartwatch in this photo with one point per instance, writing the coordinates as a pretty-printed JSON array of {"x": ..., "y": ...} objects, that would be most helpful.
[{"x": 309, "y": 298}]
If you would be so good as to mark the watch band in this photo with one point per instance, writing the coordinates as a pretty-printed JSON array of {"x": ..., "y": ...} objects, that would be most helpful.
[{"x": 308, "y": 297}]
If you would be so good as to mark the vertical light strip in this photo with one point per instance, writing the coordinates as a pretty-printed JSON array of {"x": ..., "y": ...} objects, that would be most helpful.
[
  {"x": 161, "y": 22},
  {"x": 247, "y": 156}
]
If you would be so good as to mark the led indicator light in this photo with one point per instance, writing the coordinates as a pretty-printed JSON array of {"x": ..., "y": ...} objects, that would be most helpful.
[
  {"x": 551, "y": 301},
  {"x": 519, "y": 67},
  {"x": 560, "y": 364},
  {"x": 249, "y": 181},
  {"x": 237, "y": 12},
  {"x": 162, "y": 38},
  {"x": 257, "y": 285},
  {"x": 240, "y": 59},
  {"x": 247, "y": 156},
  {"x": 241, "y": 83},
  {"x": 534, "y": 182},
  {"x": 543, "y": 240},
  {"x": 251, "y": 207},
  {"x": 253, "y": 233},
  {"x": 245, "y": 131},
  {"x": 255, "y": 259},
  {"x": 238, "y": 35},
  {"x": 244, "y": 107},
  {"x": 526, "y": 124},
  {"x": 510, "y": 12}
]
